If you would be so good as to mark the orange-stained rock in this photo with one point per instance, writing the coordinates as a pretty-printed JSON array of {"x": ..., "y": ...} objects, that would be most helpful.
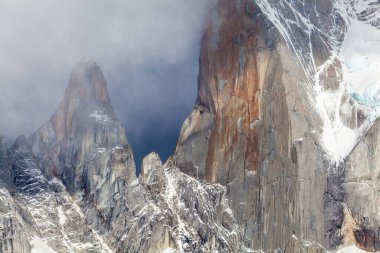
[
  {"x": 255, "y": 128},
  {"x": 229, "y": 87}
]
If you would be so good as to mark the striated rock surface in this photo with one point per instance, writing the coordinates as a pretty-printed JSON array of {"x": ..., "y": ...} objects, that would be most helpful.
[
  {"x": 5, "y": 172},
  {"x": 56, "y": 219},
  {"x": 362, "y": 192},
  {"x": 177, "y": 213},
  {"x": 278, "y": 120}
]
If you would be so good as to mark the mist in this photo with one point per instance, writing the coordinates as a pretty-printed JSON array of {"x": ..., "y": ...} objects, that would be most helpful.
[{"x": 148, "y": 51}]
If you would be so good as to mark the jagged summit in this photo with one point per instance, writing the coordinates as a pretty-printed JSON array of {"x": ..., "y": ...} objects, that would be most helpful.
[
  {"x": 87, "y": 83},
  {"x": 86, "y": 101},
  {"x": 84, "y": 123}
]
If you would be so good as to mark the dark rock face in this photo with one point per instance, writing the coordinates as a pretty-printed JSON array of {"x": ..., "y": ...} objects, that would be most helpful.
[
  {"x": 27, "y": 176},
  {"x": 333, "y": 205},
  {"x": 5, "y": 172},
  {"x": 13, "y": 225}
]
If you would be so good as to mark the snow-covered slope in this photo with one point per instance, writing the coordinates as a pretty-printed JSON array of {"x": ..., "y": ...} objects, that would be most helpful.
[
  {"x": 367, "y": 11},
  {"x": 360, "y": 55},
  {"x": 56, "y": 219},
  {"x": 349, "y": 37}
]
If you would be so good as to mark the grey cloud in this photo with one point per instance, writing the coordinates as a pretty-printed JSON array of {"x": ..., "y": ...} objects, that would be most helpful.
[{"x": 148, "y": 50}]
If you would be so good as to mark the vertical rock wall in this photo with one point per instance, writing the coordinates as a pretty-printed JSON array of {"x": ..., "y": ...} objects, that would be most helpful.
[{"x": 260, "y": 130}]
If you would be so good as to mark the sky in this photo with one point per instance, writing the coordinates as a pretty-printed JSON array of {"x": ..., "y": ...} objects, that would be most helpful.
[{"x": 148, "y": 51}]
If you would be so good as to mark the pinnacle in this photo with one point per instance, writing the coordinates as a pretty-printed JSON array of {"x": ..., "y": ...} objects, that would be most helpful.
[{"x": 87, "y": 83}]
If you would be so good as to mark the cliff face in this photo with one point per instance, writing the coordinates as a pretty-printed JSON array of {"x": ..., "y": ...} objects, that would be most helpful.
[
  {"x": 276, "y": 120},
  {"x": 249, "y": 98},
  {"x": 220, "y": 123},
  {"x": 361, "y": 185}
]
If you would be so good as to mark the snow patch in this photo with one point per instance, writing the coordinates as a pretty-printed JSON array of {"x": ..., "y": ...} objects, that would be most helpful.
[
  {"x": 351, "y": 249},
  {"x": 340, "y": 140},
  {"x": 61, "y": 216},
  {"x": 39, "y": 246},
  {"x": 169, "y": 250},
  {"x": 251, "y": 173},
  {"x": 101, "y": 150},
  {"x": 135, "y": 183},
  {"x": 221, "y": 84},
  {"x": 101, "y": 117}
]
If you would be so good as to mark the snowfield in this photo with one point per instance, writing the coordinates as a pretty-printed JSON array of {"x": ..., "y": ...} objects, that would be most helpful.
[{"x": 39, "y": 246}]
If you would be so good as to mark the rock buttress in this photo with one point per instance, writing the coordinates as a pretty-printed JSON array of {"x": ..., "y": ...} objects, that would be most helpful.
[{"x": 254, "y": 129}]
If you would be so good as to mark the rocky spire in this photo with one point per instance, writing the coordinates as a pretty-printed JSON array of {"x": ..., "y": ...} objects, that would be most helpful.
[
  {"x": 82, "y": 150},
  {"x": 87, "y": 83},
  {"x": 83, "y": 124},
  {"x": 86, "y": 99}
]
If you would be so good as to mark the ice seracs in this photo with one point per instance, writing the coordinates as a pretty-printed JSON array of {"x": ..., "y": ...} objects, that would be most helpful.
[
  {"x": 360, "y": 54},
  {"x": 360, "y": 57}
]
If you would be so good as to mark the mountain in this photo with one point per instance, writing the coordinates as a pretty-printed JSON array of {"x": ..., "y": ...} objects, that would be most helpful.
[
  {"x": 287, "y": 103},
  {"x": 73, "y": 188},
  {"x": 278, "y": 155}
]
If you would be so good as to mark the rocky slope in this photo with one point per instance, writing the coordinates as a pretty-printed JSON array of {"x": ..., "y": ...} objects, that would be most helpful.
[{"x": 278, "y": 155}]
